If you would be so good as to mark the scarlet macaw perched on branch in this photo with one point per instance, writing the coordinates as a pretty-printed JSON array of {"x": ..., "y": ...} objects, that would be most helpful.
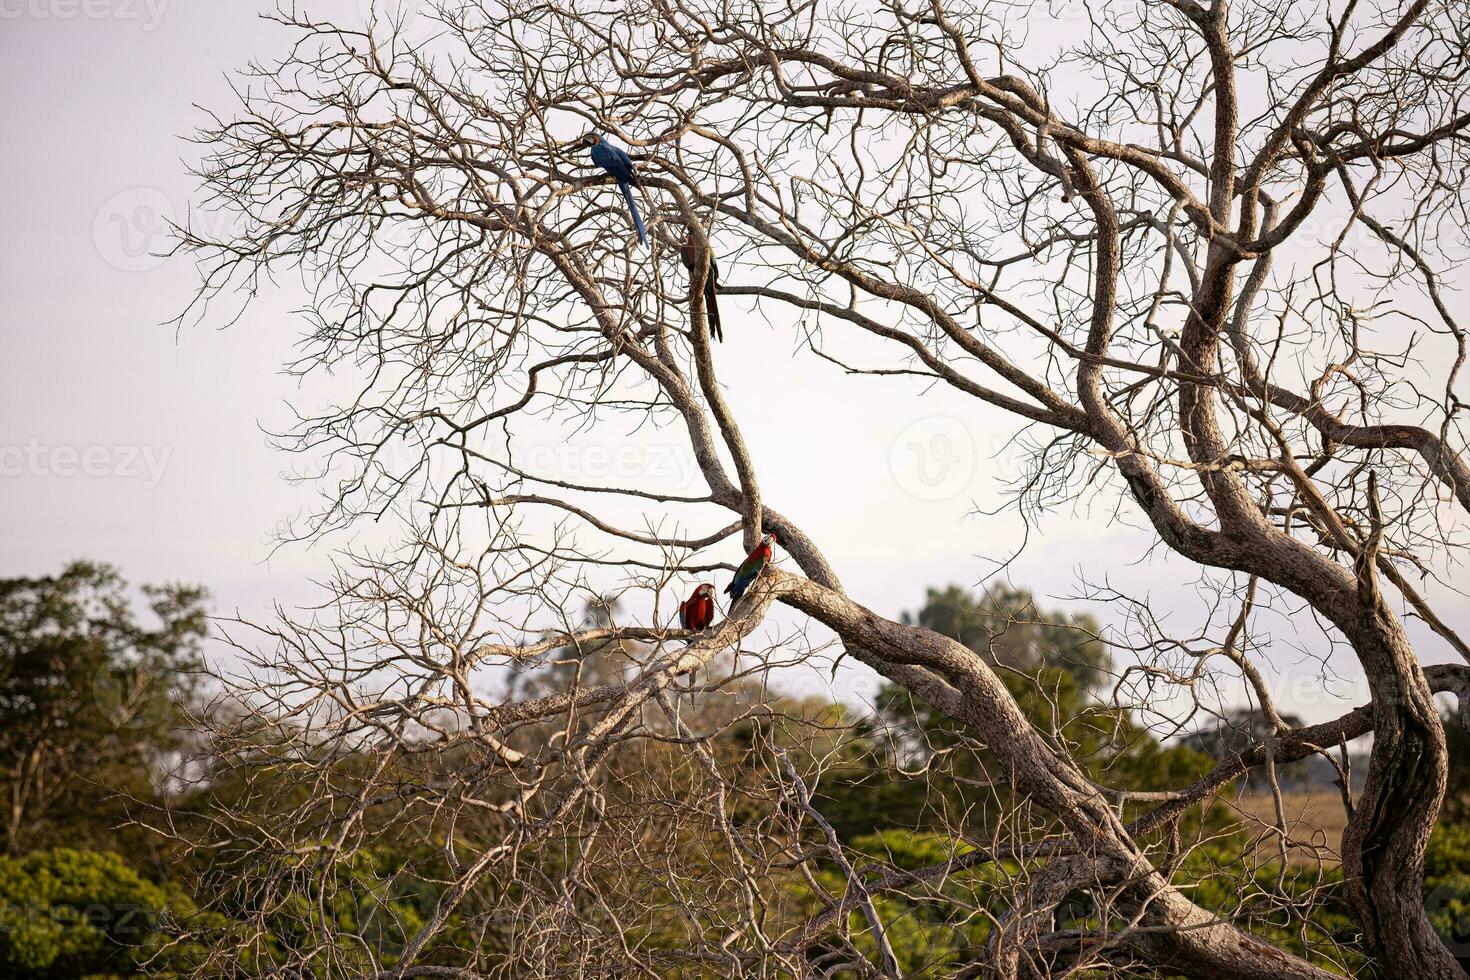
[
  {"x": 617, "y": 162},
  {"x": 751, "y": 568},
  {"x": 698, "y": 611},
  {"x": 689, "y": 253}
]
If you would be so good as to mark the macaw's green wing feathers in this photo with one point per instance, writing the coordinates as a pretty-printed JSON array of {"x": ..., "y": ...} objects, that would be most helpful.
[
  {"x": 752, "y": 565},
  {"x": 749, "y": 570}
]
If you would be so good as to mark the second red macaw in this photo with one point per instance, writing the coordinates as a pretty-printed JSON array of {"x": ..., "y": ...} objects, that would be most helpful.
[
  {"x": 698, "y": 611},
  {"x": 689, "y": 254},
  {"x": 751, "y": 568}
]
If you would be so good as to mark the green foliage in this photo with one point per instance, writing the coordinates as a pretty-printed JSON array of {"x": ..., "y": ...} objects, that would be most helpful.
[
  {"x": 1006, "y": 627},
  {"x": 1447, "y": 885},
  {"x": 925, "y": 934},
  {"x": 90, "y": 705},
  {"x": 69, "y": 913},
  {"x": 1457, "y": 793},
  {"x": 1269, "y": 901},
  {"x": 90, "y": 699},
  {"x": 1048, "y": 663},
  {"x": 365, "y": 901}
]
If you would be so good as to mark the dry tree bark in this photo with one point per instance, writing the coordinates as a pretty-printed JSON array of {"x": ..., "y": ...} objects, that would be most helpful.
[{"x": 1183, "y": 249}]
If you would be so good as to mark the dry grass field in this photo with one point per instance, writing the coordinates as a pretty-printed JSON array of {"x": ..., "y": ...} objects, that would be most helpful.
[{"x": 1314, "y": 822}]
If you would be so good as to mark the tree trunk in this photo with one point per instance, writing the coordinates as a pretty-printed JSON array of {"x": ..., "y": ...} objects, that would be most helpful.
[{"x": 1383, "y": 845}]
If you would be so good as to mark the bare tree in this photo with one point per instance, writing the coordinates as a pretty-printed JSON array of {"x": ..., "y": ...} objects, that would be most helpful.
[{"x": 1197, "y": 251}]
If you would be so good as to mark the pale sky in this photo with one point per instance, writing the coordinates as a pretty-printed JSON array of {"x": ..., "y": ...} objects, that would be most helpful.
[{"x": 122, "y": 440}]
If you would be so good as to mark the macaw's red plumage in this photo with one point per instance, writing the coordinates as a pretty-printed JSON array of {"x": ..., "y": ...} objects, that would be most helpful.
[
  {"x": 751, "y": 568},
  {"x": 698, "y": 611}
]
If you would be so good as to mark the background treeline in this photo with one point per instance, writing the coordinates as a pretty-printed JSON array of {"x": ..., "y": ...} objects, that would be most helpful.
[{"x": 107, "y": 775}]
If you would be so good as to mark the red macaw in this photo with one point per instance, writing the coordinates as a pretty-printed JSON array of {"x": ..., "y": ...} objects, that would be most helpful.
[
  {"x": 698, "y": 611},
  {"x": 750, "y": 569}
]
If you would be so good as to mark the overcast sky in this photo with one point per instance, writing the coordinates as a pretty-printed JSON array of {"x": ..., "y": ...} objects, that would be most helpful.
[{"x": 125, "y": 441}]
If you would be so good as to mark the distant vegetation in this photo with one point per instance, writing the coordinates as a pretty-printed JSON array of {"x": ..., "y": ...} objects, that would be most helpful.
[{"x": 106, "y": 781}]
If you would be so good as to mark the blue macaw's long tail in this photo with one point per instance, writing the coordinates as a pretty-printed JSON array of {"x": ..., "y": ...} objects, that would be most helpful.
[
  {"x": 627, "y": 189},
  {"x": 741, "y": 581},
  {"x": 737, "y": 587}
]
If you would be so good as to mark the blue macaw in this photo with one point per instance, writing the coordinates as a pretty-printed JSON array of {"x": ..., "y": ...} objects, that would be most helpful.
[
  {"x": 751, "y": 568},
  {"x": 617, "y": 162}
]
